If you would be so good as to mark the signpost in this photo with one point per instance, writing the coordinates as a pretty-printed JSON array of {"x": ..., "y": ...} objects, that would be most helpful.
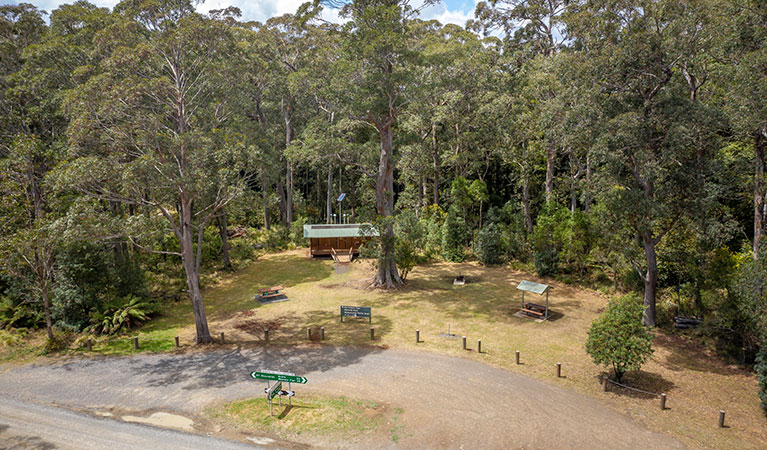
[
  {"x": 356, "y": 311},
  {"x": 276, "y": 390},
  {"x": 272, "y": 375}
]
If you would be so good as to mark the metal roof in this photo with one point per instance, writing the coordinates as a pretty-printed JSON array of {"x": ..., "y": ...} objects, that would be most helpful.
[
  {"x": 339, "y": 230},
  {"x": 532, "y": 286}
]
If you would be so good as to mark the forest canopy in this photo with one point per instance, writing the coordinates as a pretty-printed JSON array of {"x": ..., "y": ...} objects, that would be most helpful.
[{"x": 617, "y": 144}]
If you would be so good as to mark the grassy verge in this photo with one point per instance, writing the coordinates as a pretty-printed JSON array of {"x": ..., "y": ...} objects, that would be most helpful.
[{"x": 312, "y": 414}]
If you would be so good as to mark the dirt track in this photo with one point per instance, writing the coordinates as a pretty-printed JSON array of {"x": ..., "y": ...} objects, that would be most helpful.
[{"x": 447, "y": 402}]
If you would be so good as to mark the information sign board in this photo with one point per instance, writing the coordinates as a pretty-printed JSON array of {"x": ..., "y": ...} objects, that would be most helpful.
[{"x": 356, "y": 311}]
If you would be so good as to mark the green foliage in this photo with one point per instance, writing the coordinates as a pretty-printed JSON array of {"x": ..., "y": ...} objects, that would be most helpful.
[
  {"x": 453, "y": 236},
  {"x": 488, "y": 246},
  {"x": 549, "y": 237},
  {"x": 761, "y": 372},
  {"x": 546, "y": 262},
  {"x": 617, "y": 338},
  {"x": 749, "y": 288},
  {"x": 121, "y": 314}
]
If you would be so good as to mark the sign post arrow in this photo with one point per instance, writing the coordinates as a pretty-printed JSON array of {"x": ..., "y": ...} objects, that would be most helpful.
[{"x": 279, "y": 376}]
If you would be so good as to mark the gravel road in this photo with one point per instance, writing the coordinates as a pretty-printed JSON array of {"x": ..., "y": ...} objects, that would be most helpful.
[{"x": 448, "y": 402}]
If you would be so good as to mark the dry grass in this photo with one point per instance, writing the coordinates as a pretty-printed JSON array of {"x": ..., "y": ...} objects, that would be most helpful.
[{"x": 698, "y": 385}]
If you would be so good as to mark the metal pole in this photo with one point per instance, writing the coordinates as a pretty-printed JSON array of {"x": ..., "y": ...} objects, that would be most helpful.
[{"x": 547, "y": 303}]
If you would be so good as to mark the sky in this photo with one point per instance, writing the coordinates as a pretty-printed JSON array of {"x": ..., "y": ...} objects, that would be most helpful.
[{"x": 448, "y": 11}]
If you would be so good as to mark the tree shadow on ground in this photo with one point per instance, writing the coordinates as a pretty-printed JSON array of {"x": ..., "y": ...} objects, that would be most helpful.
[
  {"x": 222, "y": 368},
  {"x": 651, "y": 383},
  {"x": 27, "y": 443},
  {"x": 686, "y": 355}
]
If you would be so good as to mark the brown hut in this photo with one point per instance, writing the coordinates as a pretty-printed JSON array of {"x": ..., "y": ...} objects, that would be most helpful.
[{"x": 343, "y": 238}]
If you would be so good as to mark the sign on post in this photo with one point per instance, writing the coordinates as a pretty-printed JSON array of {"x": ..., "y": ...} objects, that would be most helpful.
[
  {"x": 273, "y": 375},
  {"x": 356, "y": 311},
  {"x": 273, "y": 391}
]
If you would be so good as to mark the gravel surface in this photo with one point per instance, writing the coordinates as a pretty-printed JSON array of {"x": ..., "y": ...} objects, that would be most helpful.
[{"x": 448, "y": 402}]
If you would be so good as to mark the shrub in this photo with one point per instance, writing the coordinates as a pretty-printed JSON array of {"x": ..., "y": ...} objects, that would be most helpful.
[
  {"x": 617, "y": 337},
  {"x": 453, "y": 233},
  {"x": 124, "y": 313},
  {"x": 546, "y": 262},
  {"x": 761, "y": 372},
  {"x": 489, "y": 245}
]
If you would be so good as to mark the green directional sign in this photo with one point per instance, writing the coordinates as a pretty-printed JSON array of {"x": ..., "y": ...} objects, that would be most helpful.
[
  {"x": 277, "y": 376},
  {"x": 274, "y": 391}
]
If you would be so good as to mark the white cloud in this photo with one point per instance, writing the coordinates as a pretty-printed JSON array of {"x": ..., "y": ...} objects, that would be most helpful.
[{"x": 261, "y": 10}]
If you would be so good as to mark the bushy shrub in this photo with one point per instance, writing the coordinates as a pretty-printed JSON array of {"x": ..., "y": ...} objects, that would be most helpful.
[
  {"x": 122, "y": 314},
  {"x": 489, "y": 245},
  {"x": 617, "y": 337},
  {"x": 761, "y": 372},
  {"x": 546, "y": 262},
  {"x": 453, "y": 236}
]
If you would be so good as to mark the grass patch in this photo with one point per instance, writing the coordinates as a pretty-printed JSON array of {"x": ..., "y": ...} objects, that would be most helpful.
[{"x": 312, "y": 414}]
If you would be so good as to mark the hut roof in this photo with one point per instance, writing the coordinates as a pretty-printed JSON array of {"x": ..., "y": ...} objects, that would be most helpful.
[{"x": 339, "y": 230}]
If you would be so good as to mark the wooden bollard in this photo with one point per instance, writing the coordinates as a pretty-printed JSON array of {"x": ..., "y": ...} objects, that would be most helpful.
[
  {"x": 222, "y": 337},
  {"x": 266, "y": 335},
  {"x": 464, "y": 342},
  {"x": 479, "y": 345},
  {"x": 517, "y": 357},
  {"x": 90, "y": 344},
  {"x": 372, "y": 333},
  {"x": 559, "y": 370},
  {"x": 135, "y": 343},
  {"x": 604, "y": 383},
  {"x": 662, "y": 402},
  {"x": 322, "y": 333},
  {"x": 417, "y": 336},
  {"x": 176, "y": 339},
  {"x": 309, "y": 333},
  {"x": 721, "y": 418}
]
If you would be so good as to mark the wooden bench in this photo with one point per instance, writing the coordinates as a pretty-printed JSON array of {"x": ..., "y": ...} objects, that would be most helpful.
[
  {"x": 532, "y": 308},
  {"x": 273, "y": 291}
]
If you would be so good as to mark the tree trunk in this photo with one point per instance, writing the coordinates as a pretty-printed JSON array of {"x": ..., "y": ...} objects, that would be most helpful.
[
  {"x": 759, "y": 189},
  {"x": 265, "y": 187},
  {"x": 587, "y": 193},
  {"x": 329, "y": 196},
  {"x": 435, "y": 162},
  {"x": 420, "y": 193},
  {"x": 551, "y": 155},
  {"x": 191, "y": 268},
  {"x": 286, "y": 114},
  {"x": 283, "y": 203},
  {"x": 650, "y": 279},
  {"x": 526, "y": 191},
  {"x": 224, "y": 233},
  {"x": 388, "y": 275},
  {"x": 47, "y": 310}
]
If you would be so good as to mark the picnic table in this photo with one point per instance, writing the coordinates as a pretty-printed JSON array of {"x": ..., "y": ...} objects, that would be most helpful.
[
  {"x": 533, "y": 308},
  {"x": 274, "y": 291}
]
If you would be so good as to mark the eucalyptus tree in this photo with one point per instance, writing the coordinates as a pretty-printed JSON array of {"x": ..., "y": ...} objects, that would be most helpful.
[
  {"x": 377, "y": 59},
  {"x": 532, "y": 28},
  {"x": 742, "y": 35},
  {"x": 149, "y": 128},
  {"x": 635, "y": 52}
]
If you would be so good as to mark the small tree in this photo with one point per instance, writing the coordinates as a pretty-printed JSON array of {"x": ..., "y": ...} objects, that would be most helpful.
[
  {"x": 617, "y": 337},
  {"x": 489, "y": 245},
  {"x": 453, "y": 231},
  {"x": 761, "y": 372}
]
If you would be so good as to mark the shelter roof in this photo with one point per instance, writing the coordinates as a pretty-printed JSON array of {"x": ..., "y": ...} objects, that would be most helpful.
[
  {"x": 339, "y": 230},
  {"x": 532, "y": 286}
]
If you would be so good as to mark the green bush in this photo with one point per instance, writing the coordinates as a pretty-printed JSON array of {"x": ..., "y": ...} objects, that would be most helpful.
[
  {"x": 489, "y": 245},
  {"x": 761, "y": 372},
  {"x": 546, "y": 262},
  {"x": 617, "y": 337},
  {"x": 453, "y": 236},
  {"x": 124, "y": 313}
]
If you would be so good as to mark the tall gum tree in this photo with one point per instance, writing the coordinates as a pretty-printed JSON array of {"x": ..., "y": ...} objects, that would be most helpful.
[
  {"x": 146, "y": 129},
  {"x": 377, "y": 57}
]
